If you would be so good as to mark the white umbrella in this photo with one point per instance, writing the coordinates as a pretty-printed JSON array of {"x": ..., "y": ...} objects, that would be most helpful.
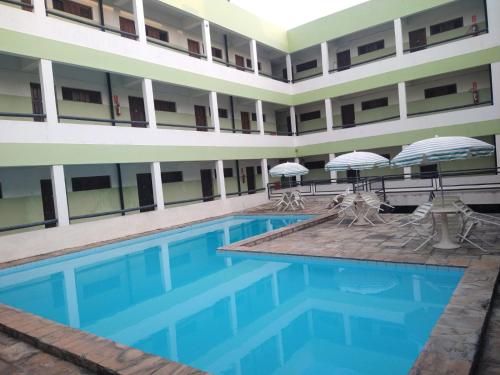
[
  {"x": 288, "y": 170},
  {"x": 357, "y": 161}
]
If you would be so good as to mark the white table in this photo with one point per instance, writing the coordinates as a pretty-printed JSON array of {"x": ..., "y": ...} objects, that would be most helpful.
[{"x": 445, "y": 242}]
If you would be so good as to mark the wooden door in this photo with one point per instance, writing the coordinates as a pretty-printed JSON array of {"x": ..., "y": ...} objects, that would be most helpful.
[
  {"x": 245, "y": 122},
  {"x": 207, "y": 187},
  {"x": 145, "y": 191},
  {"x": 128, "y": 26},
  {"x": 344, "y": 60},
  {"x": 250, "y": 179},
  {"x": 418, "y": 39},
  {"x": 200, "y": 115},
  {"x": 240, "y": 61},
  {"x": 348, "y": 117},
  {"x": 137, "y": 113},
  {"x": 36, "y": 101},
  {"x": 194, "y": 47},
  {"x": 49, "y": 211}
]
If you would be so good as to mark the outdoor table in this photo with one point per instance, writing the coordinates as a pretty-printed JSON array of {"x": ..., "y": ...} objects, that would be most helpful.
[{"x": 445, "y": 242}]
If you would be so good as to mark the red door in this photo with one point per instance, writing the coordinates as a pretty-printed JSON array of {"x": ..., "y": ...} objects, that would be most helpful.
[
  {"x": 240, "y": 61},
  {"x": 194, "y": 47},
  {"x": 128, "y": 26}
]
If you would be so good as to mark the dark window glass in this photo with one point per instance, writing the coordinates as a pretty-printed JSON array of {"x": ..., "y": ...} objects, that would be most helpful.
[
  {"x": 153, "y": 32},
  {"x": 254, "y": 116},
  {"x": 72, "y": 7},
  {"x": 165, "y": 106},
  {"x": 80, "y": 95},
  {"x": 440, "y": 91},
  {"x": 249, "y": 63},
  {"x": 307, "y": 65},
  {"x": 90, "y": 183},
  {"x": 228, "y": 172},
  {"x": 217, "y": 52},
  {"x": 259, "y": 169},
  {"x": 1, "y": 195},
  {"x": 370, "y": 47},
  {"x": 374, "y": 103},
  {"x": 222, "y": 113},
  {"x": 447, "y": 25},
  {"x": 310, "y": 116},
  {"x": 428, "y": 171},
  {"x": 259, "y": 65},
  {"x": 167, "y": 177},
  {"x": 320, "y": 164}
]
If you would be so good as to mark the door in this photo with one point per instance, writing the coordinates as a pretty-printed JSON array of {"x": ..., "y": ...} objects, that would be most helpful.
[
  {"x": 240, "y": 61},
  {"x": 418, "y": 39},
  {"x": 194, "y": 47},
  {"x": 348, "y": 117},
  {"x": 344, "y": 60},
  {"x": 289, "y": 125},
  {"x": 136, "y": 107},
  {"x": 352, "y": 176},
  {"x": 145, "y": 191},
  {"x": 128, "y": 26},
  {"x": 245, "y": 122},
  {"x": 285, "y": 75},
  {"x": 36, "y": 101},
  {"x": 200, "y": 115},
  {"x": 49, "y": 211},
  {"x": 250, "y": 179},
  {"x": 207, "y": 187}
]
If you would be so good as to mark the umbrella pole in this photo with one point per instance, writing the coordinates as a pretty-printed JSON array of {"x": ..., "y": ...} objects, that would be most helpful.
[{"x": 441, "y": 184}]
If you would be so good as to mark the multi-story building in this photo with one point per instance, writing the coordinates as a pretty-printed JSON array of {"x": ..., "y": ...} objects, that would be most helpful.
[{"x": 111, "y": 108}]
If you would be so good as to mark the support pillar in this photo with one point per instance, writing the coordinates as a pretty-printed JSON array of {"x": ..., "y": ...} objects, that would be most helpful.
[
  {"x": 293, "y": 120},
  {"x": 48, "y": 91},
  {"x": 325, "y": 59},
  {"x": 260, "y": 116},
  {"x": 403, "y": 106},
  {"x": 59, "y": 193},
  {"x": 140, "y": 25},
  {"x": 219, "y": 166},
  {"x": 253, "y": 55},
  {"x": 39, "y": 8},
  {"x": 207, "y": 41},
  {"x": 398, "y": 34},
  {"x": 329, "y": 115},
  {"x": 406, "y": 170},
  {"x": 289, "y": 71},
  {"x": 157, "y": 185},
  {"x": 497, "y": 149},
  {"x": 265, "y": 173},
  {"x": 149, "y": 102},
  {"x": 297, "y": 178},
  {"x": 333, "y": 174},
  {"x": 214, "y": 110}
]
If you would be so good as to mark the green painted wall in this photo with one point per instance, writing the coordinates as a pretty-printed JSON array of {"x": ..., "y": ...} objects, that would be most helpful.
[
  {"x": 447, "y": 101},
  {"x": 20, "y": 210}
]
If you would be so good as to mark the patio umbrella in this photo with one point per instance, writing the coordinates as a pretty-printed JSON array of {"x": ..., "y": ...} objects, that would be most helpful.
[
  {"x": 439, "y": 149},
  {"x": 288, "y": 170},
  {"x": 357, "y": 161}
]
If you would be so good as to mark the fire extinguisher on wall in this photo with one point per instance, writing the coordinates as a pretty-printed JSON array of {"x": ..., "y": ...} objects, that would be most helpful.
[
  {"x": 475, "y": 93},
  {"x": 116, "y": 102}
]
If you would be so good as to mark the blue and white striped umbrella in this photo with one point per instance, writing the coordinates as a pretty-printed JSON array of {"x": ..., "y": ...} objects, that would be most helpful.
[
  {"x": 288, "y": 170},
  {"x": 438, "y": 149},
  {"x": 357, "y": 161}
]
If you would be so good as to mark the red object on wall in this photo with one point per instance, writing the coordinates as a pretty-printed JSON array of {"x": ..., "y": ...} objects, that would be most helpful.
[
  {"x": 116, "y": 101},
  {"x": 475, "y": 93}
]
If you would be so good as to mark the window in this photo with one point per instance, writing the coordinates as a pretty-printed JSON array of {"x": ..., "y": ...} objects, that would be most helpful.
[
  {"x": 167, "y": 177},
  {"x": 249, "y": 64},
  {"x": 90, "y": 183},
  {"x": 217, "y": 52},
  {"x": 428, "y": 171},
  {"x": 447, "y": 26},
  {"x": 309, "y": 116},
  {"x": 440, "y": 91},
  {"x": 155, "y": 33},
  {"x": 165, "y": 106},
  {"x": 320, "y": 164},
  {"x": 370, "y": 47},
  {"x": 80, "y": 95},
  {"x": 228, "y": 172},
  {"x": 254, "y": 116},
  {"x": 72, "y": 7},
  {"x": 306, "y": 66},
  {"x": 374, "y": 103},
  {"x": 223, "y": 113}
]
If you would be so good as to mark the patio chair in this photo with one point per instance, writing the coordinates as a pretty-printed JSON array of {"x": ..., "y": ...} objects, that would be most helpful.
[
  {"x": 338, "y": 198},
  {"x": 416, "y": 215},
  {"x": 420, "y": 227},
  {"x": 347, "y": 208},
  {"x": 297, "y": 200},
  {"x": 374, "y": 206},
  {"x": 468, "y": 212},
  {"x": 282, "y": 203}
]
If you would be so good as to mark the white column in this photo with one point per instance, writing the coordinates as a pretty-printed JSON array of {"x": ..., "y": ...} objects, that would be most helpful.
[
  {"x": 214, "y": 110},
  {"x": 253, "y": 55},
  {"x": 71, "y": 298},
  {"x": 207, "y": 41},
  {"x": 59, "y": 193},
  {"x": 157, "y": 185},
  {"x": 406, "y": 170},
  {"x": 149, "y": 102},
  {"x": 48, "y": 93},
  {"x": 398, "y": 33},
  {"x": 403, "y": 106},
  {"x": 297, "y": 160},
  {"x": 325, "y": 59},
  {"x": 172, "y": 342},
  {"x": 293, "y": 122},
  {"x": 495, "y": 82},
  {"x": 347, "y": 330},
  {"x": 260, "y": 116},
  {"x": 333, "y": 174},
  {"x": 275, "y": 289},
  {"x": 493, "y": 8},
  {"x": 497, "y": 149},
  {"x": 264, "y": 172},
  {"x": 329, "y": 115},
  {"x": 227, "y": 241},
  {"x": 39, "y": 7},
  {"x": 219, "y": 166},
  {"x": 140, "y": 25},
  {"x": 289, "y": 71}
]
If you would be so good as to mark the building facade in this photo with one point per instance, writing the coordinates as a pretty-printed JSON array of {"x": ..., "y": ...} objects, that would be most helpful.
[{"x": 113, "y": 108}]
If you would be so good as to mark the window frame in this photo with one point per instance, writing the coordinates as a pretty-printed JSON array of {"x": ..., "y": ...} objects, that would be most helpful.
[
  {"x": 87, "y": 183},
  {"x": 428, "y": 93},
  {"x": 371, "y": 47},
  {"x": 309, "y": 116},
  {"x": 308, "y": 65},
  {"x": 375, "y": 103},
  {"x": 76, "y": 95}
]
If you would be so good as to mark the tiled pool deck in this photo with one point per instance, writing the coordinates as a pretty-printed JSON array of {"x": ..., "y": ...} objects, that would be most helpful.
[{"x": 465, "y": 340}]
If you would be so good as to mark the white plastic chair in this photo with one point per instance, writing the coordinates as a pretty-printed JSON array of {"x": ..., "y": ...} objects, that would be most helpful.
[
  {"x": 296, "y": 200},
  {"x": 374, "y": 206},
  {"x": 338, "y": 198},
  {"x": 282, "y": 203},
  {"x": 420, "y": 228},
  {"x": 415, "y": 216},
  {"x": 347, "y": 208},
  {"x": 470, "y": 221}
]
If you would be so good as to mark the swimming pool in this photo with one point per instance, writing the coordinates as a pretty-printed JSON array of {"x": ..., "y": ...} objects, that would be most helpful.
[{"x": 172, "y": 295}]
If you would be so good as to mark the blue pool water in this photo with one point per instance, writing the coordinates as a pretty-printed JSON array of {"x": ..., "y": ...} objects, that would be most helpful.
[{"x": 171, "y": 294}]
